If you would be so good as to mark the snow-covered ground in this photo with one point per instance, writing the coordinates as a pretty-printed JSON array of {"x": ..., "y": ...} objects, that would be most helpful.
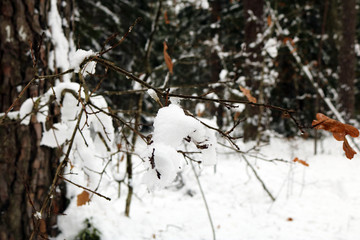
[{"x": 321, "y": 201}]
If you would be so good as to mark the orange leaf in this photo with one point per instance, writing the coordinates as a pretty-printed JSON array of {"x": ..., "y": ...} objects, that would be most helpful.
[
  {"x": 339, "y": 131},
  {"x": 83, "y": 198},
  {"x": 248, "y": 95},
  {"x": 166, "y": 18},
  {"x": 167, "y": 58},
  {"x": 301, "y": 162},
  {"x": 269, "y": 20}
]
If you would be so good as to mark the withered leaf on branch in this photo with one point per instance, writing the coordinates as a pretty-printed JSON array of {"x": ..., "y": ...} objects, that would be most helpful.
[
  {"x": 339, "y": 131},
  {"x": 247, "y": 94},
  {"x": 167, "y": 58}
]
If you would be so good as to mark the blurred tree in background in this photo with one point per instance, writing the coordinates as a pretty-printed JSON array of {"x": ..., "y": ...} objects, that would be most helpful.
[{"x": 208, "y": 37}]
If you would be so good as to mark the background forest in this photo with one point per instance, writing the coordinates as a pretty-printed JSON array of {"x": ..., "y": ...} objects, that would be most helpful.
[{"x": 251, "y": 75}]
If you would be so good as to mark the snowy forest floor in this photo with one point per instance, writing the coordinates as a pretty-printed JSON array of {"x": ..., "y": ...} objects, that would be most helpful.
[{"x": 319, "y": 202}]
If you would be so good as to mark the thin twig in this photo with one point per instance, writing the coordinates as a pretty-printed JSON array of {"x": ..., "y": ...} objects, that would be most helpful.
[
  {"x": 258, "y": 178},
  {"x": 122, "y": 39},
  {"x": 87, "y": 189},
  {"x": 203, "y": 197}
]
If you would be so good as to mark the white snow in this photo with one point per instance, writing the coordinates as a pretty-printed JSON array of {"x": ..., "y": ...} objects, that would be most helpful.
[
  {"x": 8, "y": 34},
  {"x": 60, "y": 57},
  {"x": 271, "y": 47},
  {"x": 316, "y": 202},
  {"x": 37, "y": 215},
  {"x": 26, "y": 109},
  {"x": 94, "y": 142},
  {"x": 153, "y": 95},
  {"x": 78, "y": 57},
  {"x": 200, "y": 109},
  {"x": 223, "y": 74},
  {"x": 171, "y": 127},
  {"x": 22, "y": 34}
]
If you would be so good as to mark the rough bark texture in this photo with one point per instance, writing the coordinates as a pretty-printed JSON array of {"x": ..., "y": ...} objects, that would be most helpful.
[
  {"x": 347, "y": 58},
  {"x": 253, "y": 10},
  {"x": 26, "y": 168}
]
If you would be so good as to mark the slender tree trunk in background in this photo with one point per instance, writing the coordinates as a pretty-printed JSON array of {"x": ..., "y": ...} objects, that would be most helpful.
[
  {"x": 347, "y": 58},
  {"x": 215, "y": 63},
  {"x": 26, "y": 168},
  {"x": 253, "y": 11}
]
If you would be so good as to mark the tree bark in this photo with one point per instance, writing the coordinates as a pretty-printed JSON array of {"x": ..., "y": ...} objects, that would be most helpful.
[
  {"x": 253, "y": 11},
  {"x": 347, "y": 58},
  {"x": 26, "y": 168}
]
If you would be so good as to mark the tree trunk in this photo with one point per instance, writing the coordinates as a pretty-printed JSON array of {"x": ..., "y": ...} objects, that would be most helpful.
[
  {"x": 253, "y": 11},
  {"x": 347, "y": 58},
  {"x": 26, "y": 168}
]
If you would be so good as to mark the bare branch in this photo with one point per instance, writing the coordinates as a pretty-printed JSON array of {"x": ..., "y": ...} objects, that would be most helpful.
[{"x": 87, "y": 189}]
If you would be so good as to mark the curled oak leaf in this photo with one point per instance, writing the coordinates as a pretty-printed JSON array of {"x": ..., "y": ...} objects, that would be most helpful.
[
  {"x": 349, "y": 152},
  {"x": 247, "y": 94},
  {"x": 301, "y": 162},
  {"x": 339, "y": 131},
  {"x": 167, "y": 58}
]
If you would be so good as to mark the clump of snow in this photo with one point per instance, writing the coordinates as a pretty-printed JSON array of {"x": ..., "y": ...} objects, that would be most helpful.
[
  {"x": 26, "y": 109},
  {"x": 37, "y": 215},
  {"x": 78, "y": 57},
  {"x": 271, "y": 47},
  {"x": 153, "y": 95},
  {"x": 175, "y": 100},
  {"x": 223, "y": 74},
  {"x": 200, "y": 109},
  {"x": 163, "y": 163},
  {"x": 171, "y": 127}
]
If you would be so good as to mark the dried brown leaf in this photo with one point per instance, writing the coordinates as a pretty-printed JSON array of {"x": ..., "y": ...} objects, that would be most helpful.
[
  {"x": 83, "y": 198},
  {"x": 167, "y": 58},
  {"x": 339, "y": 131},
  {"x": 248, "y": 95},
  {"x": 269, "y": 20},
  {"x": 301, "y": 162}
]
